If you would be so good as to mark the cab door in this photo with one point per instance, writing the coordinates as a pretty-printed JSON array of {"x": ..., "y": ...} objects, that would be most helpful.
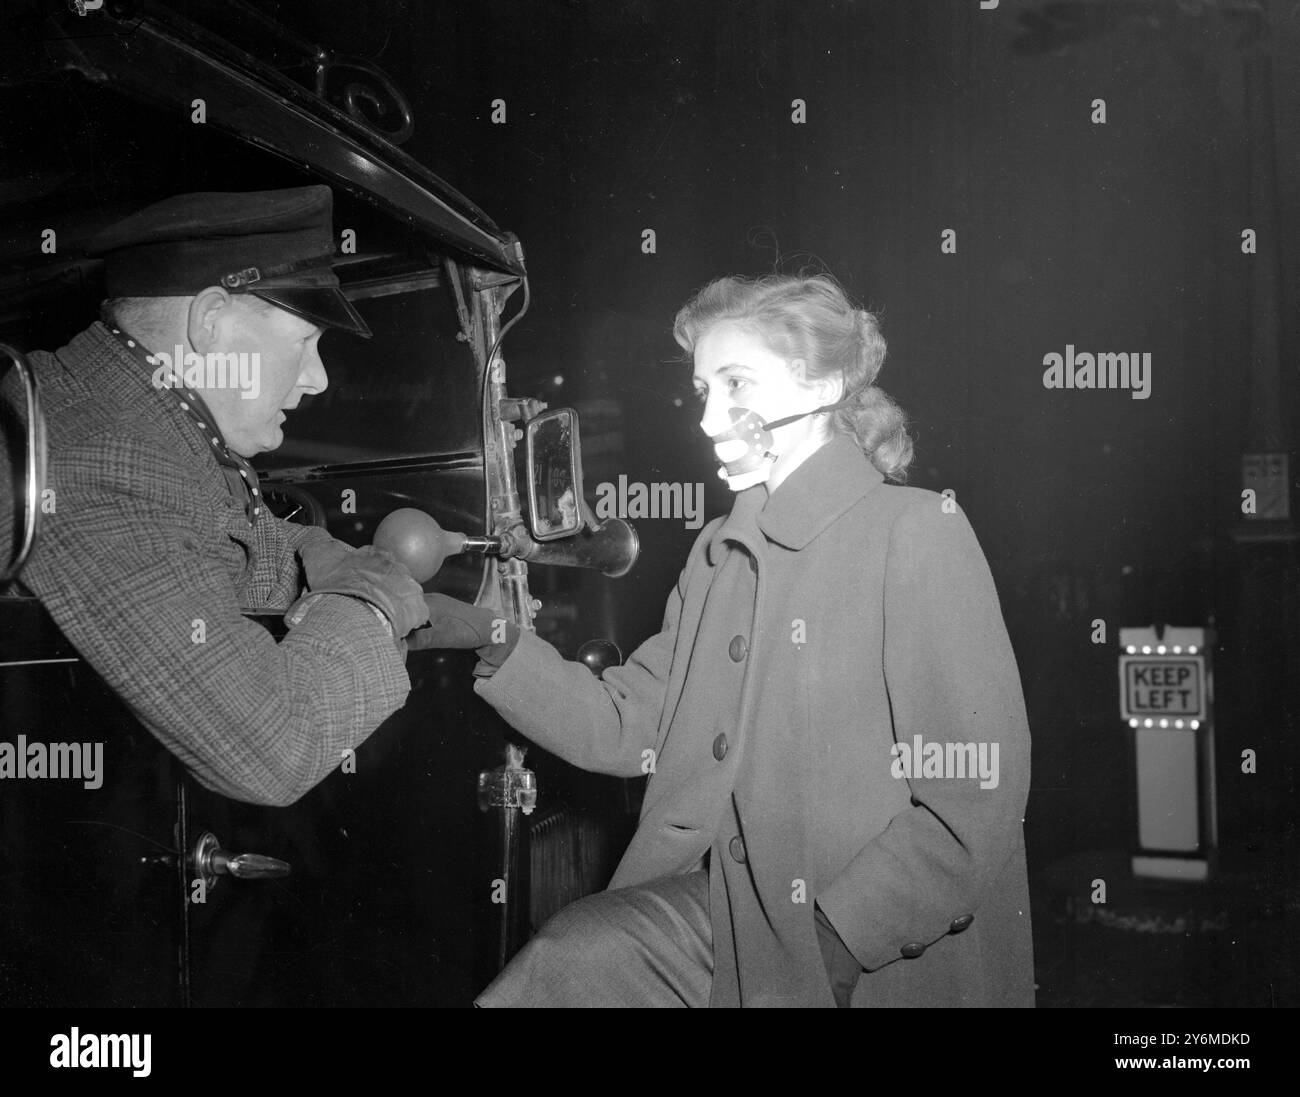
[{"x": 90, "y": 866}]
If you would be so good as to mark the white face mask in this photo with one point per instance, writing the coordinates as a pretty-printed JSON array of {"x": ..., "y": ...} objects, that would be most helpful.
[{"x": 745, "y": 448}]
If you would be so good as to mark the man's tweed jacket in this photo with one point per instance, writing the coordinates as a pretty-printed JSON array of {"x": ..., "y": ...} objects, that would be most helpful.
[
  {"x": 812, "y": 633},
  {"x": 145, "y": 562}
]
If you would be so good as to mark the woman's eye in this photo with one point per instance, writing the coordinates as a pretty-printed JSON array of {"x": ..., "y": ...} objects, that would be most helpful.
[{"x": 735, "y": 384}]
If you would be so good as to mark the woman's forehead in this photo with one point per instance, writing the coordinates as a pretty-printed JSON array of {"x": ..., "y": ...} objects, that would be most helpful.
[{"x": 728, "y": 346}]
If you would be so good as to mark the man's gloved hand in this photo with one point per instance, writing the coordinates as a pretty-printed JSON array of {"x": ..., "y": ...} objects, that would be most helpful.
[
  {"x": 457, "y": 624},
  {"x": 320, "y": 557},
  {"x": 842, "y": 967},
  {"x": 370, "y": 574}
]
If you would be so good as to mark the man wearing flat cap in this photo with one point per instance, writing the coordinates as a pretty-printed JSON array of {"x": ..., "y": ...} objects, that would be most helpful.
[{"x": 159, "y": 540}]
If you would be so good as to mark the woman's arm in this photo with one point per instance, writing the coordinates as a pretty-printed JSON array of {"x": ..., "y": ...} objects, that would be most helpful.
[
  {"x": 951, "y": 677},
  {"x": 605, "y": 724}
]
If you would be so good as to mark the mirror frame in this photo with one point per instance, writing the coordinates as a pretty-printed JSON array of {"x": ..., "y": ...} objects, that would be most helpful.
[{"x": 534, "y": 424}]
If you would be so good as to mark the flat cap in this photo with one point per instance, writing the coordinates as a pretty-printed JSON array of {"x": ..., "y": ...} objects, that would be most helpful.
[{"x": 275, "y": 244}]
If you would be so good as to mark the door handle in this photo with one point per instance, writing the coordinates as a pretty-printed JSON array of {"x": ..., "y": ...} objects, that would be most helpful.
[{"x": 210, "y": 862}]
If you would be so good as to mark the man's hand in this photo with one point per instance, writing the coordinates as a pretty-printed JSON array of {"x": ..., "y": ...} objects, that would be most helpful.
[
  {"x": 456, "y": 624},
  {"x": 842, "y": 967},
  {"x": 320, "y": 557},
  {"x": 367, "y": 573}
]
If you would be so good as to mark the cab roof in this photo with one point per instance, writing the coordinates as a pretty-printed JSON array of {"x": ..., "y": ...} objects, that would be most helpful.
[{"x": 99, "y": 118}]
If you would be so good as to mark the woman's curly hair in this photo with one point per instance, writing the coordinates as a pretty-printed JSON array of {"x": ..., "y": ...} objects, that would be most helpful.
[{"x": 810, "y": 318}]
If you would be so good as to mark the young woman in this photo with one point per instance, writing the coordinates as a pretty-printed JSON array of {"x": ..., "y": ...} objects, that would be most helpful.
[{"x": 831, "y": 717}]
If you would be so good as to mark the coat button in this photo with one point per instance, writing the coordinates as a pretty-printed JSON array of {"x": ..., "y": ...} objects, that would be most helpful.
[
  {"x": 737, "y": 648},
  {"x": 737, "y": 850},
  {"x": 959, "y": 924},
  {"x": 912, "y": 950},
  {"x": 720, "y": 747}
]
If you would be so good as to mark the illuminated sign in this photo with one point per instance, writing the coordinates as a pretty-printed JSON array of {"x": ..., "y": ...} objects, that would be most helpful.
[{"x": 1162, "y": 690}]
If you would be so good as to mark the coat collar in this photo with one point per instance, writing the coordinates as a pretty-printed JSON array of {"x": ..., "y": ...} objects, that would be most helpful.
[
  {"x": 820, "y": 490},
  {"x": 108, "y": 369},
  {"x": 240, "y": 475}
]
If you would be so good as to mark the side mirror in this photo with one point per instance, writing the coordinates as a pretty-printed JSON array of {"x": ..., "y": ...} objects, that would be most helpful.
[{"x": 555, "y": 500}]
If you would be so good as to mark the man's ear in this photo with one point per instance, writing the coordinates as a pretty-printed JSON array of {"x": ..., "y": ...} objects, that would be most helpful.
[{"x": 205, "y": 315}]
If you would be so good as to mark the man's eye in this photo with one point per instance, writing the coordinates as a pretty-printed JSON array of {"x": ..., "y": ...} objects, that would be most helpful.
[{"x": 701, "y": 396}]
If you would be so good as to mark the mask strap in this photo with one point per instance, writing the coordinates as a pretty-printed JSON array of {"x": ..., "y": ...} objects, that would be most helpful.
[{"x": 815, "y": 411}]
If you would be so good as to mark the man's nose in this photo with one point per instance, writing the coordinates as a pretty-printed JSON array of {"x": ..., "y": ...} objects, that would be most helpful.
[{"x": 313, "y": 378}]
